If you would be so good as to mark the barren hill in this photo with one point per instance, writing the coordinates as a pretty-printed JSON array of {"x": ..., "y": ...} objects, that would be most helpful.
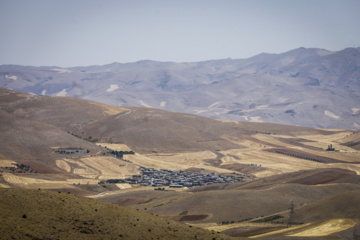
[
  {"x": 25, "y": 139},
  {"x": 37, "y": 214},
  {"x": 305, "y": 87},
  {"x": 152, "y": 130},
  {"x": 66, "y": 113}
]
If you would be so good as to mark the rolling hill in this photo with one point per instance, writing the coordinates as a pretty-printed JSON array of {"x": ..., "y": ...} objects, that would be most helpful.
[
  {"x": 70, "y": 145},
  {"x": 37, "y": 214}
]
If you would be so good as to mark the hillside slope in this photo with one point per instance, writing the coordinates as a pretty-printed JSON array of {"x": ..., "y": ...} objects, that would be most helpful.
[
  {"x": 152, "y": 130},
  {"x": 68, "y": 114},
  {"x": 37, "y": 214},
  {"x": 25, "y": 139}
]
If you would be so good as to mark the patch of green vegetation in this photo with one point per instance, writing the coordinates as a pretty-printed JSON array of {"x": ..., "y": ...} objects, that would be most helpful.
[
  {"x": 351, "y": 144},
  {"x": 158, "y": 205},
  {"x": 330, "y": 148},
  {"x": 268, "y": 219},
  {"x": 266, "y": 133},
  {"x": 112, "y": 181}
]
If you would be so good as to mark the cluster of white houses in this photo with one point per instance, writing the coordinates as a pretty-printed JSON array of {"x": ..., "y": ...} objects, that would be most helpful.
[{"x": 158, "y": 178}]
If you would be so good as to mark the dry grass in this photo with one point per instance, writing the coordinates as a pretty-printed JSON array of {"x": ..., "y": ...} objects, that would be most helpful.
[
  {"x": 222, "y": 228},
  {"x": 282, "y": 231},
  {"x": 313, "y": 229},
  {"x": 114, "y": 146},
  {"x": 62, "y": 164},
  {"x": 34, "y": 183},
  {"x": 277, "y": 163},
  {"x": 7, "y": 163},
  {"x": 325, "y": 229},
  {"x": 111, "y": 110},
  {"x": 36, "y": 214},
  {"x": 4, "y": 185},
  {"x": 110, "y": 167}
]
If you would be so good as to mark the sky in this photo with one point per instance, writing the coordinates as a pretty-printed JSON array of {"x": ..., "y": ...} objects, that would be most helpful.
[{"x": 68, "y": 33}]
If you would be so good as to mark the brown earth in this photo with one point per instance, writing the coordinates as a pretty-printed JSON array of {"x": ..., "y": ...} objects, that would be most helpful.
[
  {"x": 37, "y": 214},
  {"x": 68, "y": 114},
  {"x": 327, "y": 176}
]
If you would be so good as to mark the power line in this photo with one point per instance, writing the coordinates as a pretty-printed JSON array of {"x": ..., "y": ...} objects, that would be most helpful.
[{"x": 291, "y": 220}]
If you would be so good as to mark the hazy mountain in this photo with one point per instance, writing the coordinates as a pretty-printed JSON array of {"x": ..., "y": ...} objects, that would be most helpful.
[{"x": 307, "y": 87}]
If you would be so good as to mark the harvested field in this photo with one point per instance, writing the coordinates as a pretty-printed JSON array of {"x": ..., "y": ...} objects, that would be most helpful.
[
  {"x": 191, "y": 158},
  {"x": 325, "y": 229},
  {"x": 63, "y": 165},
  {"x": 115, "y": 147},
  {"x": 176, "y": 162},
  {"x": 86, "y": 172},
  {"x": 298, "y": 153},
  {"x": 123, "y": 185},
  {"x": 7, "y": 163},
  {"x": 281, "y": 231},
  {"x": 274, "y": 163},
  {"x": 299, "y": 142},
  {"x": 110, "y": 168},
  {"x": 250, "y": 231},
  {"x": 4, "y": 185},
  {"x": 27, "y": 182},
  {"x": 323, "y": 141},
  {"x": 324, "y": 177},
  {"x": 243, "y": 168},
  {"x": 222, "y": 228},
  {"x": 40, "y": 167},
  {"x": 304, "y": 155}
]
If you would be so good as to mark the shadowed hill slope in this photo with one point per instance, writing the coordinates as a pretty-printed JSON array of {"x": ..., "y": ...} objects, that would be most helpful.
[
  {"x": 37, "y": 214},
  {"x": 24, "y": 139},
  {"x": 147, "y": 130}
]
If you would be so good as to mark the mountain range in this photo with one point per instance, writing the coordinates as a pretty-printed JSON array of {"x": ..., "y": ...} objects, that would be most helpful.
[{"x": 304, "y": 87}]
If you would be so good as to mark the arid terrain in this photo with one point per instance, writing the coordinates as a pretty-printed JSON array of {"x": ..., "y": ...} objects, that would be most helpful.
[
  {"x": 295, "y": 182},
  {"x": 38, "y": 214}
]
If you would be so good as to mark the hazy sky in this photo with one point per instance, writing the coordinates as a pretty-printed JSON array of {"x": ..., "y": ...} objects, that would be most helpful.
[{"x": 70, "y": 33}]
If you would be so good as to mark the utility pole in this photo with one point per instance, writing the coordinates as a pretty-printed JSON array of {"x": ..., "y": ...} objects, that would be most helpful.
[{"x": 291, "y": 220}]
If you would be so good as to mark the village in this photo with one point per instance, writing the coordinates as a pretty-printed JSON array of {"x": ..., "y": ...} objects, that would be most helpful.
[{"x": 178, "y": 179}]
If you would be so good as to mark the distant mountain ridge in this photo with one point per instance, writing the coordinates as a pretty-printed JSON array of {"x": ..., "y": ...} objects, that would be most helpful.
[{"x": 306, "y": 87}]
